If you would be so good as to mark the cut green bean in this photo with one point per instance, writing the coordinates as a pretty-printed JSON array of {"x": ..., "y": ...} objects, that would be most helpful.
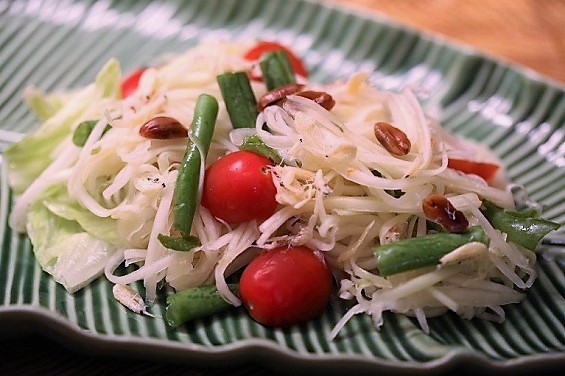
[
  {"x": 277, "y": 70},
  {"x": 188, "y": 179},
  {"x": 195, "y": 303},
  {"x": 83, "y": 131},
  {"x": 520, "y": 227},
  {"x": 239, "y": 99},
  {"x": 255, "y": 144},
  {"x": 414, "y": 253},
  {"x": 179, "y": 243}
]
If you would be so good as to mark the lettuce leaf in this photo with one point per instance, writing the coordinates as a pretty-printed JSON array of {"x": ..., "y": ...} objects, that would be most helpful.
[
  {"x": 46, "y": 230},
  {"x": 73, "y": 256},
  {"x": 43, "y": 105},
  {"x": 69, "y": 242},
  {"x": 81, "y": 259},
  {"x": 108, "y": 80},
  {"x": 58, "y": 202},
  {"x": 29, "y": 157}
]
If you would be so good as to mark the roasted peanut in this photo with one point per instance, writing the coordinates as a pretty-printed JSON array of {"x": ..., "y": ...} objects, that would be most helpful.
[
  {"x": 438, "y": 209},
  {"x": 322, "y": 98},
  {"x": 277, "y": 94},
  {"x": 391, "y": 138},
  {"x": 163, "y": 128}
]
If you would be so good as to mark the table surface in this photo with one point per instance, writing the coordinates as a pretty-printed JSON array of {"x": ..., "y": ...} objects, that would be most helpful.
[
  {"x": 530, "y": 33},
  {"x": 525, "y": 32}
]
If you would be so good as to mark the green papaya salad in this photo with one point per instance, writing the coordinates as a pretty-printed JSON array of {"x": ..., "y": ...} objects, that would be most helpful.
[{"x": 225, "y": 177}]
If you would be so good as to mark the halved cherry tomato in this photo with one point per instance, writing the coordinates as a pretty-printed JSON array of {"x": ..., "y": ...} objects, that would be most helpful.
[
  {"x": 131, "y": 82},
  {"x": 238, "y": 188},
  {"x": 286, "y": 286},
  {"x": 484, "y": 170},
  {"x": 264, "y": 46}
]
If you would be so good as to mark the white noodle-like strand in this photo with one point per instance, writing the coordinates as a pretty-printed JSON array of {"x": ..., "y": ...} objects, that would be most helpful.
[{"x": 155, "y": 250}]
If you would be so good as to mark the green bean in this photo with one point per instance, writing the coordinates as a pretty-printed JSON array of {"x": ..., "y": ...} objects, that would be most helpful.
[
  {"x": 188, "y": 179},
  {"x": 277, "y": 70},
  {"x": 414, "y": 253},
  {"x": 255, "y": 144},
  {"x": 520, "y": 227},
  {"x": 239, "y": 99},
  {"x": 195, "y": 303},
  {"x": 179, "y": 243},
  {"x": 84, "y": 129}
]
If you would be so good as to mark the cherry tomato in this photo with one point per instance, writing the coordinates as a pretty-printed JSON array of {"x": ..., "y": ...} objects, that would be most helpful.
[
  {"x": 129, "y": 84},
  {"x": 286, "y": 286},
  {"x": 484, "y": 170},
  {"x": 238, "y": 188},
  {"x": 264, "y": 46}
]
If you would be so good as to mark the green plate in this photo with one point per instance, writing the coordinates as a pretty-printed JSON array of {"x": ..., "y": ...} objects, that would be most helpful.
[{"x": 61, "y": 44}]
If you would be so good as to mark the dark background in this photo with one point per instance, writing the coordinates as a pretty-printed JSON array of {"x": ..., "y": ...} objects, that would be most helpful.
[{"x": 39, "y": 355}]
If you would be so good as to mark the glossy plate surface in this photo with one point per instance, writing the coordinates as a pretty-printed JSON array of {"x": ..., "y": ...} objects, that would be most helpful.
[{"x": 62, "y": 44}]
